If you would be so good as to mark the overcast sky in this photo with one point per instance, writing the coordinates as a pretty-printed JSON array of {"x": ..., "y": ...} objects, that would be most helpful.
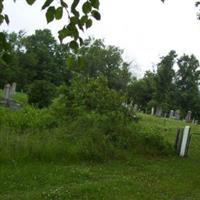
[{"x": 145, "y": 29}]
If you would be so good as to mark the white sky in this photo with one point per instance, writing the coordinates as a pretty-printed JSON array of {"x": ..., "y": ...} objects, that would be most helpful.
[{"x": 145, "y": 29}]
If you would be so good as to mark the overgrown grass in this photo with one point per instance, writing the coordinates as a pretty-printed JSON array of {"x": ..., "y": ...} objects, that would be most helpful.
[
  {"x": 31, "y": 134},
  {"x": 48, "y": 164}
]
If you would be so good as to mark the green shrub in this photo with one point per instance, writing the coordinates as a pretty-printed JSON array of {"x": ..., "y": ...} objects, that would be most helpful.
[
  {"x": 40, "y": 93},
  {"x": 90, "y": 95}
]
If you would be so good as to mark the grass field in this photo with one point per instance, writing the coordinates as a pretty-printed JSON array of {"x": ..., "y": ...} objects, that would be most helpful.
[{"x": 138, "y": 178}]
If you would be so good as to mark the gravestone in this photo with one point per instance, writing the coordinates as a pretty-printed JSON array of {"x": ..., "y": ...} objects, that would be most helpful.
[
  {"x": 7, "y": 90},
  {"x": 182, "y": 142},
  {"x": 177, "y": 114},
  {"x": 188, "y": 116},
  {"x": 13, "y": 89},
  {"x": 159, "y": 111},
  {"x": 152, "y": 111},
  {"x": 171, "y": 114}
]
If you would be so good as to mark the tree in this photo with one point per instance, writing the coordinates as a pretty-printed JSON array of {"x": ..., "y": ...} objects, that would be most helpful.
[
  {"x": 40, "y": 93},
  {"x": 96, "y": 59},
  {"x": 187, "y": 83},
  {"x": 35, "y": 57},
  {"x": 141, "y": 91},
  {"x": 164, "y": 81}
]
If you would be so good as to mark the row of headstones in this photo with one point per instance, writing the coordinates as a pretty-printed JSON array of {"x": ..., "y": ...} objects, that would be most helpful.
[{"x": 173, "y": 114}]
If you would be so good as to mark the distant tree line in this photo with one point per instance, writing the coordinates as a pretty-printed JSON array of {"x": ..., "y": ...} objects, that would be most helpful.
[{"x": 169, "y": 88}]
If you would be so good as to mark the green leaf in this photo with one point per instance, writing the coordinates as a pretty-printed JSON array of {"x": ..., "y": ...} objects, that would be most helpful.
[
  {"x": 6, "y": 19},
  {"x": 73, "y": 7},
  {"x": 63, "y": 4},
  {"x": 96, "y": 15},
  {"x": 75, "y": 4},
  {"x": 88, "y": 23},
  {"x": 30, "y": 2},
  {"x": 1, "y": 19},
  {"x": 95, "y": 3},
  {"x": 50, "y": 14},
  {"x": 1, "y": 6},
  {"x": 86, "y": 7},
  {"x": 59, "y": 13},
  {"x": 73, "y": 30},
  {"x": 84, "y": 20},
  {"x": 63, "y": 33},
  {"x": 46, "y": 4},
  {"x": 74, "y": 20},
  {"x": 73, "y": 45}
]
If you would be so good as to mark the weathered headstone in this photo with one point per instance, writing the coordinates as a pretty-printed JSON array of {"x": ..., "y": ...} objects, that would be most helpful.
[
  {"x": 152, "y": 111},
  {"x": 188, "y": 116},
  {"x": 177, "y": 114},
  {"x": 13, "y": 89},
  {"x": 171, "y": 114},
  {"x": 7, "y": 89},
  {"x": 159, "y": 111},
  {"x": 196, "y": 122},
  {"x": 182, "y": 142}
]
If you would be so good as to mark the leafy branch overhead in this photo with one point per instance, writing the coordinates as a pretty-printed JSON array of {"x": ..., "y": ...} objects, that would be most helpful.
[
  {"x": 80, "y": 17},
  {"x": 80, "y": 14}
]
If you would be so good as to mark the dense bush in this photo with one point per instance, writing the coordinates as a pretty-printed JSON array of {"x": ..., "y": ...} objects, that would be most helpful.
[
  {"x": 91, "y": 94},
  {"x": 40, "y": 93}
]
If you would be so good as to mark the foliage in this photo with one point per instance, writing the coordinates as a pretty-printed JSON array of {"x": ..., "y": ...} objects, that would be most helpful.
[
  {"x": 87, "y": 94},
  {"x": 40, "y": 57},
  {"x": 187, "y": 84},
  {"x": 41, "y": 93},
  {"x": 95, "y": 59}
]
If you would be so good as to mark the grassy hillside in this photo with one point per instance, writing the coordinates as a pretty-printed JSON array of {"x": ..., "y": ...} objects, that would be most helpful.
[{"x": 141, "y": 176}]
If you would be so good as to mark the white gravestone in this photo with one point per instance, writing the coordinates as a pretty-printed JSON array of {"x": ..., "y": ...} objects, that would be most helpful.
[
  {"x": 152, "y": 111},
  {"x": 186, "y": 133},
  {"x": 7, "y": 90},
  {"x": 171, "y": 114},
  {"x": 183, "y": 138}
]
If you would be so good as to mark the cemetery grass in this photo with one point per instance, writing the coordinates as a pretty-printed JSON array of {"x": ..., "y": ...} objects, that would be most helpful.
[{"x": 139, "y": 176}]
